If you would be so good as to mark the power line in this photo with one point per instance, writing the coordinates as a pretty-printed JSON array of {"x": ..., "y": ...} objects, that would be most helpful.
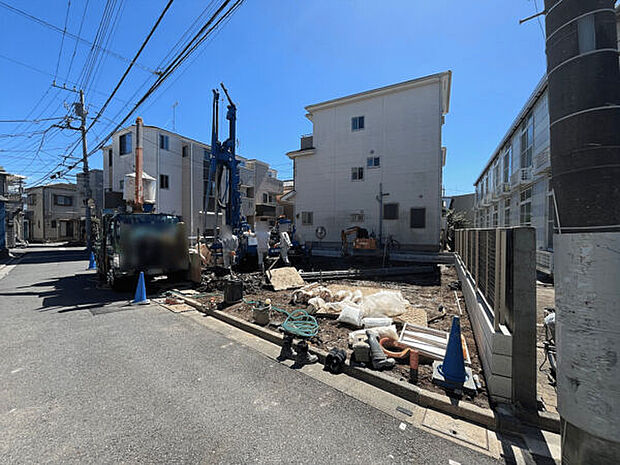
[
  {"x": 35, "y": 121},
  {"x": 62, "y": 42},
  {"x": 122, "y": 79},
  {"x": 212, "y": 24},
  {"x": 69, "y": 34},
  {"x": 79, "y": 34}
]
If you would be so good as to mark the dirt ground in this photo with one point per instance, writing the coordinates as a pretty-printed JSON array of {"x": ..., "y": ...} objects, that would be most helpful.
[{"x": 428, "y": 292}]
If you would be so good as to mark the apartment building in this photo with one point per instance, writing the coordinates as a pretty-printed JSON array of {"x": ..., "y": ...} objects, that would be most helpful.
[
  {"x": 178, "y": 165},
  {"x": 11, "y": 210},
  {"x": 54, "y": 213},
  {"x": 514, "y": 188},
  {"x": 380, "y": 147}
]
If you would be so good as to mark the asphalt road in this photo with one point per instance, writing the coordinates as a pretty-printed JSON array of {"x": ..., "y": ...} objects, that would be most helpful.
[{"x": 84, "y": 378}]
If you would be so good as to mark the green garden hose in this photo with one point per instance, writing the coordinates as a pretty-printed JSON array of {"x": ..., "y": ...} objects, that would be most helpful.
[{"x": 298, "y": 322}]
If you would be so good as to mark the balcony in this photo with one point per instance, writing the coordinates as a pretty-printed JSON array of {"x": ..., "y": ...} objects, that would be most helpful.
[
  {"x": 504, "y": 189},
  {"x": 522, "y": 176},
  {"x": 542, "y": 162}
]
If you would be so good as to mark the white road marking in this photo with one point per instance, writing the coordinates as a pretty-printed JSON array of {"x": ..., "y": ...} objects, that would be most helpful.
[
  {"x": 17, "y": 370},
  {"x": 402, "y": 426}
]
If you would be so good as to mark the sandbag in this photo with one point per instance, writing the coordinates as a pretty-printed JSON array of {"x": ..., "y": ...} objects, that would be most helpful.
[
  {"x": 384, "y": 304},
  {"x": 357, "y": 297},
  {"x": 315, "y": 304},
  {"x": 370, "y": 322},
  {"x": 351, "y": 314}
]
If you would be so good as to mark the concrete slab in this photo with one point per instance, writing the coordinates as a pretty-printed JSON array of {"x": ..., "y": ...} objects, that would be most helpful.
[{"x": 458, "y": 429}]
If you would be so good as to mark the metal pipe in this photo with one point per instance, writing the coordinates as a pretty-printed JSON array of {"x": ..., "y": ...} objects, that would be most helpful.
[{"x": 139, "y": 188}]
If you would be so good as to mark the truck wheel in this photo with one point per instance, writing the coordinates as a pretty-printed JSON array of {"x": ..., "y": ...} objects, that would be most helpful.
[{"x": 115, "y": 282}]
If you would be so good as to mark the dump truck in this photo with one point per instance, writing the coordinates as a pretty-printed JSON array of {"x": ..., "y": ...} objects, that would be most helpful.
[{"x": 129, "y": 243}]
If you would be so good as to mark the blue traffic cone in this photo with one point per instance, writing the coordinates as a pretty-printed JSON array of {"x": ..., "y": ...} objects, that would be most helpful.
[
  {"x": 140, "y": 297},
  {"x": 453, "y": 366},
  {"x": 92, "y": 265}
]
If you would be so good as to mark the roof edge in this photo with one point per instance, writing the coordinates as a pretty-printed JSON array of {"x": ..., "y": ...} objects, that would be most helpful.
[{"x": 386, "y": 90}]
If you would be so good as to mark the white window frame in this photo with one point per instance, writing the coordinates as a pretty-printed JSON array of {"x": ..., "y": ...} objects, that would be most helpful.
[
  {"x": 355, "y": 123},
  {"x": 355, "y": 173},
  {"x": 373, "y": 162},
  {"x": 307, "y": 218},
  {"x": 527, "y": 141},
  {"x": 525, "y": 207}
]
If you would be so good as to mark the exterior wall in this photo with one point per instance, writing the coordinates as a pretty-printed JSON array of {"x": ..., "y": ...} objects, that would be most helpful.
[{"x": 403, "y": 128}]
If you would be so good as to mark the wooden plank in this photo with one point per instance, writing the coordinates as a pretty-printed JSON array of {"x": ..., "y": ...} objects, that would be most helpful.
[{"x": 285, "y": 278}]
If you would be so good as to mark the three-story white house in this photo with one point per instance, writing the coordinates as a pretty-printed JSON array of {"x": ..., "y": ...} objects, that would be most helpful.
[{"x": 383, "y": 141}]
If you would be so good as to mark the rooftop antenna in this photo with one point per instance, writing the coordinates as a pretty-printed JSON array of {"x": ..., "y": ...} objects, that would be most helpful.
[{"x": 174, "y": 116}]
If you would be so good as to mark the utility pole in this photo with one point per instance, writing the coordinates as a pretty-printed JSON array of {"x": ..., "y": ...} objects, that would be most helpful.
[
  {"x": 139, "y": 187},
  {"x": 80, "y": 110},
  {"x": 380, "y": 200},
  {"x": 584, "y": 114}
]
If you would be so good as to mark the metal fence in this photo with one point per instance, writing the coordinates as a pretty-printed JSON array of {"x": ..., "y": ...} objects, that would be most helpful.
[{"x": 487, "y": 256}]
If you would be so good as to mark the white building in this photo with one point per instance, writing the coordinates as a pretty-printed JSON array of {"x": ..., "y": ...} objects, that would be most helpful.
[
  {"x": 385, "y": 139},
  {"x": 178, "y": 165}
]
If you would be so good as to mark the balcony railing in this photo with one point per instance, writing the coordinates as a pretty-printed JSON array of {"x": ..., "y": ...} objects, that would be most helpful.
[{"x": 522, "y": 176}]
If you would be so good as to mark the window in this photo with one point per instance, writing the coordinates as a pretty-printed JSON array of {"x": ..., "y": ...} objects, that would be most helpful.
[
  {"x": 373, "y": 162},
  {"x": 495, "y": 216},
  {"x": 164, "y": 181},
  {"x": 357, "y": 174},
  {"x": 63, "y": 200},
  {"x": 53, "y": 224},
  {"x": 357, "y": 123},
  {"x": 32, "y": 199},
  {"x": 525, "y": 207},
  {"x": 121, "y": 185},
  {"x": 527, "y": 141},
  {"x": 506, "y": 167},
  {"x": 124, "y": 143},
  {"x": 110, "y": 157},
  {"x": 357, "y": 217},
  {"x": 506, "y": 213},
  {"x": 184, "y": 151},
  {"x": 390, "y": 211},
  {"x": 496, "y": 177},
  {"x": 307, "y": 218},
  {"x": 265, "y": 198},
  {"x": 417, "y": 218},
  {"x": 164, "y": 142}
]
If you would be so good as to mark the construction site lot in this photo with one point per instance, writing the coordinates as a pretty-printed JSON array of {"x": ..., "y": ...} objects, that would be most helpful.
[{"x": 433, "y": 303}]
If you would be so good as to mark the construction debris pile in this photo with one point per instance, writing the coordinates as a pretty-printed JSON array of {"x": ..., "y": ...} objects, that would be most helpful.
[{"x": 378, "y": 326}]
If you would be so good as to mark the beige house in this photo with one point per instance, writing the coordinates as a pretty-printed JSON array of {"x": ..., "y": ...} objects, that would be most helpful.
[{"x": 53, "y": 213}]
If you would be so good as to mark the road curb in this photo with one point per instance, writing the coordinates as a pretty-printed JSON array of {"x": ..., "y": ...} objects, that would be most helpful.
[{"x": 488, "y": 418}]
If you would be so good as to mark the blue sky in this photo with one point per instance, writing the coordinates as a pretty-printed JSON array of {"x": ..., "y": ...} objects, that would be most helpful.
[{"x": 275, "y": 56}]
